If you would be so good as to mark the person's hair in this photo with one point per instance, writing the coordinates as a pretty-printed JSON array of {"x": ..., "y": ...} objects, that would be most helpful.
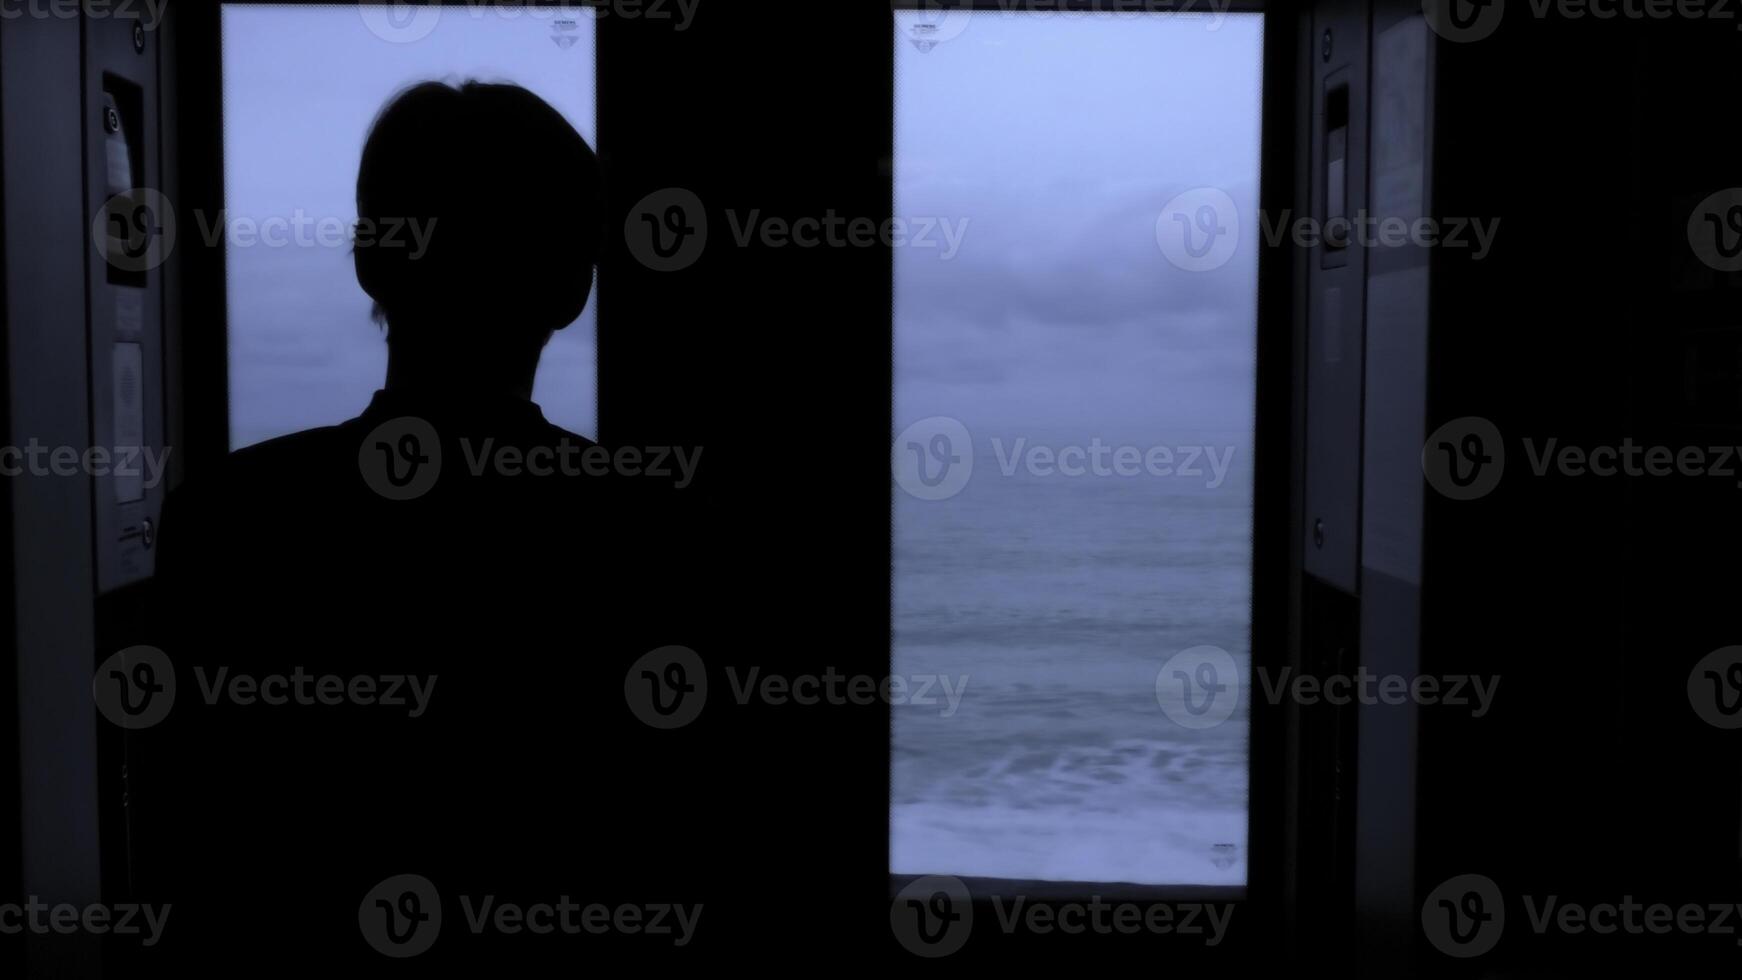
[{"x": 507, "y": 197}]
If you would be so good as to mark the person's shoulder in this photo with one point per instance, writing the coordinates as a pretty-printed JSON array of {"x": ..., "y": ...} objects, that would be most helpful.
[
  {"x": 556, "y": 435},
  {"x": 293, "y": 458},
  {"x": 319, "y": 439}
]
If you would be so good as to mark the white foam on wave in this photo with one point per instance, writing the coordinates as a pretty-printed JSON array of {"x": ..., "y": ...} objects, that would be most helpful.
[{"x": 1171, "y": 846}]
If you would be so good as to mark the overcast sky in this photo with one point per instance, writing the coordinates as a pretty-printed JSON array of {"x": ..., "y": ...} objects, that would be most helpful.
[
  {"x": 301, "y": 86},
  {"x": 1060, "y": 139}
]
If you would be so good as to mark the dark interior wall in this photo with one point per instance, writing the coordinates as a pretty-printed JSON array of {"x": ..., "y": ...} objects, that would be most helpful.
[
  {"x": 46, "y": 388},
  {"x": 1590, "y": 598},
  {"x": 11, "y": 806}
]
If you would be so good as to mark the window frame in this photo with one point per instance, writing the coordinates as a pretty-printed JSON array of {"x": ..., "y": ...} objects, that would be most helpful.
[{"x": 1272, "y": 595}]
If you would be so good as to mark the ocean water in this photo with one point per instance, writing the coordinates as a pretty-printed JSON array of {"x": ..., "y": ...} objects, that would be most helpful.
[{"x": 1055, "y": 601}]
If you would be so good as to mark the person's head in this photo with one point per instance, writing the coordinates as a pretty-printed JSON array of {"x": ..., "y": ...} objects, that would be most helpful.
[{"x": 478, "y": 224}]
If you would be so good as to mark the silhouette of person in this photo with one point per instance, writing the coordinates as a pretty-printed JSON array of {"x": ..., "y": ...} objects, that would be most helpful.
[{"x": 400, "y": 642}]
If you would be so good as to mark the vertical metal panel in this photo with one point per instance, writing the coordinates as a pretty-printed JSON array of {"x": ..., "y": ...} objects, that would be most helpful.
[
  {"x": 47, "y": 360},
  {"x": 1335, "y": 304}
]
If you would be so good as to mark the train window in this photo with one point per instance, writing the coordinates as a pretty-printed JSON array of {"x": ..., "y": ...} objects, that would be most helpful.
[
  {"x": 1076, "y": 335},
  {"x": 301, "y": 86}
]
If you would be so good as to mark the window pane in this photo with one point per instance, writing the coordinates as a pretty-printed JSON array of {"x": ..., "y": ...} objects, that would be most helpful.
[
  {"x": 1075, "y": 355},
  {"x": 301, "y": 87}
]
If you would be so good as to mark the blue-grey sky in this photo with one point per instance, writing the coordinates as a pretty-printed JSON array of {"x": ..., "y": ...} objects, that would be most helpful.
[
  {"x": 1060, "y": 139},
  {"x": 301, "y": 86}
]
